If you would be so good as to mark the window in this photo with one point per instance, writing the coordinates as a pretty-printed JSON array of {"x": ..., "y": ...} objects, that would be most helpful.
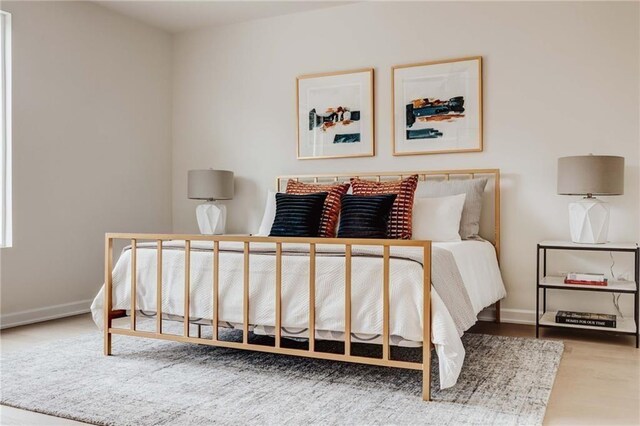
[{"x": 5, "y": 129}]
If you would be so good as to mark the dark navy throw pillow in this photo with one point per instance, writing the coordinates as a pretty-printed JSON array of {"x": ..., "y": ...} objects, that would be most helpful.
[
  {"x": 298, "y": 215},
  {"x": 365, "y": 216}
]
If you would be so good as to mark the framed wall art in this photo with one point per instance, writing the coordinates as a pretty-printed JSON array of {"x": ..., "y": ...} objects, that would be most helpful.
[
  {"x": 335, "y": 115},
  {"x": 437, "y": 107}
]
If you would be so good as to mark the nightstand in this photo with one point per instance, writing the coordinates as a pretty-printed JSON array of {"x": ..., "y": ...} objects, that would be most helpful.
[{"x": 546, "y": 282}]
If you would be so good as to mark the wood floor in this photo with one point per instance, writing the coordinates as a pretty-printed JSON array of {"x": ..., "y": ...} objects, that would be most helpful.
[{"x": 598, "y": 382}]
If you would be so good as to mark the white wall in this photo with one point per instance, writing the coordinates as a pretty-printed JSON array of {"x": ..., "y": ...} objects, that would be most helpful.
[
  {"x": 92, "y": 149},
  {"x": 560, "y": 79}
]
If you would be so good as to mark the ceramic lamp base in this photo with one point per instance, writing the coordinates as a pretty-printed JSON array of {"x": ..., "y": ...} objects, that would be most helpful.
[
  {"x": 589, "y": 221},
  {"x": 212, "y": 218}
]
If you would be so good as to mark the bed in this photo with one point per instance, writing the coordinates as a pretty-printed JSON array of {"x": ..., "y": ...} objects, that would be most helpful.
[{"x": 349, "y": 290}]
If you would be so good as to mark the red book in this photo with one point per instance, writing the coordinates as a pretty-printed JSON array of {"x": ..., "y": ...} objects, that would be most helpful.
[{"x": 583, "y": 282}]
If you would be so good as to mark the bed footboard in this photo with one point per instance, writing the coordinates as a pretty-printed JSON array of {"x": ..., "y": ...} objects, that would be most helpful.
[{"x": 386, "y": 359}]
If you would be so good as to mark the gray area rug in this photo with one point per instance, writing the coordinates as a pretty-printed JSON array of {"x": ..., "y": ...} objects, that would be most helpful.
[{"x": 505, "y": 380}]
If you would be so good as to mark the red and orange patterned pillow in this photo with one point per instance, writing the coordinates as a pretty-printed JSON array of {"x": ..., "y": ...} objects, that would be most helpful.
[
  {"x": 400, "y": 218},
  {"x": 331, "y": 209}
]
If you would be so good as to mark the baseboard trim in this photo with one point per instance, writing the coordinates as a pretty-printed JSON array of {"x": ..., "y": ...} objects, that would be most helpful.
[
  {"x": 31, "y": 316},
  {"x": 513, "y": 316}
]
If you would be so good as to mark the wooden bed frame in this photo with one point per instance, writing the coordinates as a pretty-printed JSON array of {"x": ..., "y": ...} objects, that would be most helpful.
[{"x": 348, "y": 243}]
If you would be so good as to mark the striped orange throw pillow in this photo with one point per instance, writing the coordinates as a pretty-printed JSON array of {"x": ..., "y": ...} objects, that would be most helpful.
[
  {"x": 331, "y": 209},
  {"x": 400, "y": 218}
]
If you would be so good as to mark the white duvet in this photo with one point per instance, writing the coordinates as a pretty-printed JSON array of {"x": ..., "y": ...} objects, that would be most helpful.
[{"x": 476, "y": 262}]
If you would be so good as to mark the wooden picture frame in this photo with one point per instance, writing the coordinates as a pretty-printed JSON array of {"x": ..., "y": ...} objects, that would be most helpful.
[
  {"x": 437, "y": 107},
  {"x": 335, "y": 115}
]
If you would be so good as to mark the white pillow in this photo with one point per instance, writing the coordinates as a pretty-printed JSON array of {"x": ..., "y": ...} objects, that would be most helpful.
[
  {"x": 438, "y": 218},
  {"x": 268, "y": 216}
]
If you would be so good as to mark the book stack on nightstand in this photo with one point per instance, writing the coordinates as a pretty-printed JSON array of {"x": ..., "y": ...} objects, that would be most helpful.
[
  {"x": 586, "y": 279},
  {"x": 586, "y": 282}
]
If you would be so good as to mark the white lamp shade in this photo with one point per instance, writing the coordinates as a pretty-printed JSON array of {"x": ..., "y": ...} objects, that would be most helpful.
[
  {"x": 210, "y": 184},
  {"x": 591, "y": 175}
]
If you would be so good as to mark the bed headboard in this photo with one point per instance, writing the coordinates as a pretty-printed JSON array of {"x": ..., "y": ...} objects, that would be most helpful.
[{"x": 490, "y": 219}]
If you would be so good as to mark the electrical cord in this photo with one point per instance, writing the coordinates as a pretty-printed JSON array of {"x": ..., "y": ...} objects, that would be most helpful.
[
  {"x": 615, "y": 298},
  {"x": 613, "y": 263}
]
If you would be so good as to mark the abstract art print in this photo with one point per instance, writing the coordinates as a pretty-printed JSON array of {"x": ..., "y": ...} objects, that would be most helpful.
[
  {"x": 437, "y": 107},
  {"x": 335, "y": 115}
]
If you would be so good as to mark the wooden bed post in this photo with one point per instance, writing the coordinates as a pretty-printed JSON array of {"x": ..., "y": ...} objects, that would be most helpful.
[
  {"x": 426, "y": 324},
  {"x": 108, "y": 268}
]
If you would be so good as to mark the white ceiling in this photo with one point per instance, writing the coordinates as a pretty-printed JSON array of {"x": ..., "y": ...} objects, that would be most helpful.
[{"x": 182, "y": 15}]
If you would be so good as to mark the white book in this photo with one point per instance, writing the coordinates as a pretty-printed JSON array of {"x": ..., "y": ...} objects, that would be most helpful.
[{"x": 582, "y": 276}]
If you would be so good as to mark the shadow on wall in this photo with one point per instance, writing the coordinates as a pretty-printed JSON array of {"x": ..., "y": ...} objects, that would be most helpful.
[
  {"x": 238, "y": 217},
  {"x": 508, "y": 183}
]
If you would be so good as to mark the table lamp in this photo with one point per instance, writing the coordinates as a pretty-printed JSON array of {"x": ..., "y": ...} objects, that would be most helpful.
[
  {"x": 210, "y": 185},
  {"x": 590, "y": 175}
]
